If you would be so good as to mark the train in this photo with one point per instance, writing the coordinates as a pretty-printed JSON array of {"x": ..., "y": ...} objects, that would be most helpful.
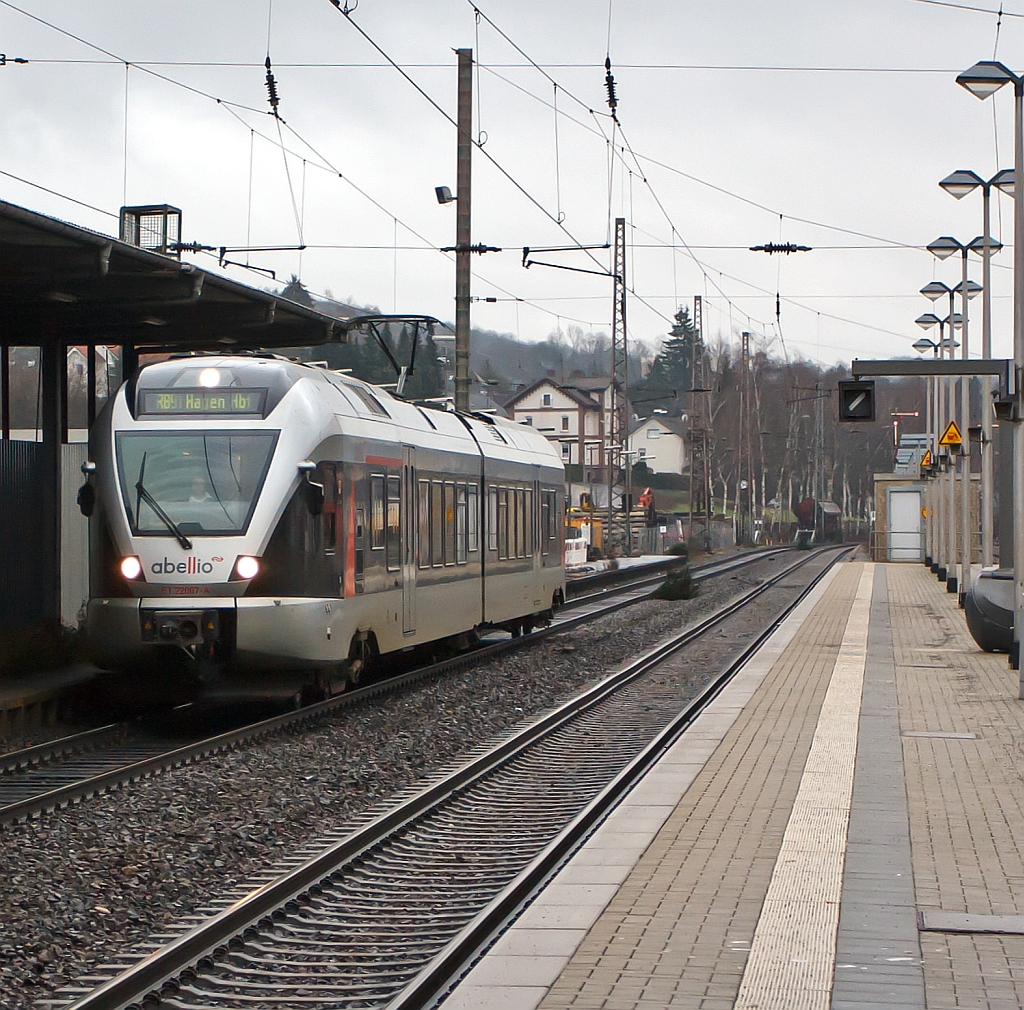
[{"x": 263, "y": 527}]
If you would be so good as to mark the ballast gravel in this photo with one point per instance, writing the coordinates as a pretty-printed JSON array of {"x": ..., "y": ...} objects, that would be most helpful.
[{"x": 83, "y": 885}]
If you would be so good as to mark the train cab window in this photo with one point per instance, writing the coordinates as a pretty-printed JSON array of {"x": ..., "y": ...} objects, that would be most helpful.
[
  {"x": 360, "y": 527},
  {"x": 436, "y": 524},
  {"x": 473, "y": 515},
  {"x": 424, "y": 523},
  {"x": 449, "y": 523},
  {"x": 461, "y": 504},
  {"x": 492, "y": 519},
  {"x": 394, "y": 531},
  {"x": 377, "y": 512}
]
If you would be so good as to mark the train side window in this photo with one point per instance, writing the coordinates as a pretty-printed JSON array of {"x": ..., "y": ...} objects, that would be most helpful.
[
  {"x": 449, "y": 523},
  {"x": 424, "y": 517},
  {"x": 394, "y": 535},
  {"x": 521, "y": 533},
  {"x": 492, "y": 519},
  {"x": 503, "y": 523},
  {"x": 359, "y": 543},
  {"x": 461, "y": 503},
  {"x": 436, "y": 524},
  {"x": 530, "y": 523},
  {"x": 545, "y": 520},
  {"x": 473, "y": 515},
  {"x": 513, "y": 523},
  {"x": 376, "y": 512}
]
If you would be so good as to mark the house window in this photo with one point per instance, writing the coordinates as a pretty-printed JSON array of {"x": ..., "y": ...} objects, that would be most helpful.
[
  {"x": 642, "y": 453},
  {"x": 565, "y": 449},
  {"x": 653, "y": 432},
  {"x": 565, "y": 422},
  {"x": 546, "y": 400},
  {"x": 529, "y": 421}
]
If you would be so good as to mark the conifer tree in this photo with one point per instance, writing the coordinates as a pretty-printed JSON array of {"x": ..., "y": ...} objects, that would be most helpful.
[{"x": 673, "y": 367}]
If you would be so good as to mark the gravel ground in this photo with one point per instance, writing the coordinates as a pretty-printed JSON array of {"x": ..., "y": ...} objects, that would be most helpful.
[{"x": 84, "y": 884}]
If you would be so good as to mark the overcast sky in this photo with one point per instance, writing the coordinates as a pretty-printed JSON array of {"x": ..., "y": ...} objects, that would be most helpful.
[{"x": 856, "y": 139}]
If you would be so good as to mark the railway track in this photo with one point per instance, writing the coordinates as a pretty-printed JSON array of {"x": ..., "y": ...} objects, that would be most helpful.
[
  {"x": 53, "y": 775},
  {"x": 390, "y": 915}
]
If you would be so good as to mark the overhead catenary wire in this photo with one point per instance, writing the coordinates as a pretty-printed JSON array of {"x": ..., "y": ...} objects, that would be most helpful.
[
  {"x": 147, "y": 66},
  {"x": 243, "y": 107},
  {"x": 443, "y": 112},
  {"x": 232, "y": 108},
  {"x": 146, "y": 69}
]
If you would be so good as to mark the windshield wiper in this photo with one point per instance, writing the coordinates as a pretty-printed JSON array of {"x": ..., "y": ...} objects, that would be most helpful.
[{"x": 144, "y": 496}]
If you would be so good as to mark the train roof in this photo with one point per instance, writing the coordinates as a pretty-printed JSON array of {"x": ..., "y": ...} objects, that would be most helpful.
[{"x": 343, "y": 395}]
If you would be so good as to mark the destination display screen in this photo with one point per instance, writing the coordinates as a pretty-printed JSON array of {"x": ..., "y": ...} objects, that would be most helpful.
[{"x": 216, "y": 402}]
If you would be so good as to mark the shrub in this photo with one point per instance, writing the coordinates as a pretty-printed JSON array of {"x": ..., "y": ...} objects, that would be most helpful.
[
  {"x": 678, "y": 586},
  {"x": 679, "y": 549}
]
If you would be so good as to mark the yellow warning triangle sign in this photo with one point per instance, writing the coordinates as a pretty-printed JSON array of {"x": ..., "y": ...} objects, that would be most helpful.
[
  {"x": 926, "y": 461},
  {"x": 951, "y": 436}
]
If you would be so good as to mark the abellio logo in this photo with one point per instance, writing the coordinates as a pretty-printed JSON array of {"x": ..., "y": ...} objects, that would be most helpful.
[{"x": 190, "y": 566}]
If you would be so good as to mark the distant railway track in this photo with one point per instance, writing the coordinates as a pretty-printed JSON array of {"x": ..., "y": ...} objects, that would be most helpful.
[
  {"x": 52, "y": 775},
  {"x": 393, "y": 913}
]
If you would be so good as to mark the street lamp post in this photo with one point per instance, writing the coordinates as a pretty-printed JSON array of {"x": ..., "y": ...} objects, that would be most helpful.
[
  {"x": 947, "y": 552},
  {"x": 942, "y": 248},
  {"x": 922, "y": 345},
  {"x": 982, "y": 80},
  {"x": 959, "y": 184}
]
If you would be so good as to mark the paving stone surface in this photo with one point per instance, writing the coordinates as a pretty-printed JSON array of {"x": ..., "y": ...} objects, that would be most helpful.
[
  {"x": 678, "y": 931},
  {"x": 966, "y": 796}
]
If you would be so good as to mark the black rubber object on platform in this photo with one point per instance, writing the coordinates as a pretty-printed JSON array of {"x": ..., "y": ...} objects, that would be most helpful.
[{"x": 988, "y": 608}]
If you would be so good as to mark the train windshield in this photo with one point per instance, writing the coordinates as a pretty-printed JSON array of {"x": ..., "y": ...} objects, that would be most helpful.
[{"x": 204, "y": 483}]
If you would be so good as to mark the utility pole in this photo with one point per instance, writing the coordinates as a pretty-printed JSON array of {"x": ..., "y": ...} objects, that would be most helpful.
[
  {"x": 463, "y": 232},
  {"x": 819, "y": 459},
  {"x": 743, "y": 463},
  {"x": 698, "y": 427},
  {"x": 618, "y": 431}
]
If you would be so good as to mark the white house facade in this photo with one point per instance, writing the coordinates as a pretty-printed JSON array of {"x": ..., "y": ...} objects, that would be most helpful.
[
  {"x": 661, "y": 443},
  {"x": 575, "y": 415}
]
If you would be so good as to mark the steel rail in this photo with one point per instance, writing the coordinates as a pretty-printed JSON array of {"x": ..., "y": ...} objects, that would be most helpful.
[
  {"x": 642, "y": 576},
  {"x": 265, "y": 904},
  {"x": 65, "y": 795},
  {"x": 17, "y": 759},
  {"x": 456, "y": 959}
]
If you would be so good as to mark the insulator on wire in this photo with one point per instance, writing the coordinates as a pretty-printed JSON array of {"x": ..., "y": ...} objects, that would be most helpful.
[
  {"x": 272, "y": 95},
  {"x": 609, "y": 83}
]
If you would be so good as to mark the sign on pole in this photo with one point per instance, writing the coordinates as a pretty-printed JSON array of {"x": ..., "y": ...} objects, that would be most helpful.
[{"x": 951, "y": 436}]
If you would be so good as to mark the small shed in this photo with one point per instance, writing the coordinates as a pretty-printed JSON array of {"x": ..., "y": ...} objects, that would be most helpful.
[{"x": 897, "y": 530}]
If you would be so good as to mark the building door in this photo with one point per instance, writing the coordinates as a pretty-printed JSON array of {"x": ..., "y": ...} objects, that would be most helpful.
[
  {"x": 409, "y": 530},
  {"x": 905, "y": 525}
]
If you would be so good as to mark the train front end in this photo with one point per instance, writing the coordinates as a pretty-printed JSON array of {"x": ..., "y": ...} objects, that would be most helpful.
[{"x": 193, "y": 465}]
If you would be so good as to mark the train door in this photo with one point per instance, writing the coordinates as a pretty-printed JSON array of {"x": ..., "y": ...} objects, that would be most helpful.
[{"x": 409, "y": 527}]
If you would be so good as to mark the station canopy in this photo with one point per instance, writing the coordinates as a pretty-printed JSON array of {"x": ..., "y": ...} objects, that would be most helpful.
[{"x": 66, "y": 284}]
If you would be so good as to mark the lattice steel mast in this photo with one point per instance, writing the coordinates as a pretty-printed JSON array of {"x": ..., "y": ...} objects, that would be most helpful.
[{"x": 617, "y": 436}]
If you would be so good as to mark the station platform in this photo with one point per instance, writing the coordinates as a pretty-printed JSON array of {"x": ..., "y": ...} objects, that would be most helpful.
[{"x": 842, "y": 828}]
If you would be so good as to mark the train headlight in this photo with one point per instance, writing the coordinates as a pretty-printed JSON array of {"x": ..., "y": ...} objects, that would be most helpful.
[
  {"x": 131, "y": 567},
  {"x": 246, "y": 567}
]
